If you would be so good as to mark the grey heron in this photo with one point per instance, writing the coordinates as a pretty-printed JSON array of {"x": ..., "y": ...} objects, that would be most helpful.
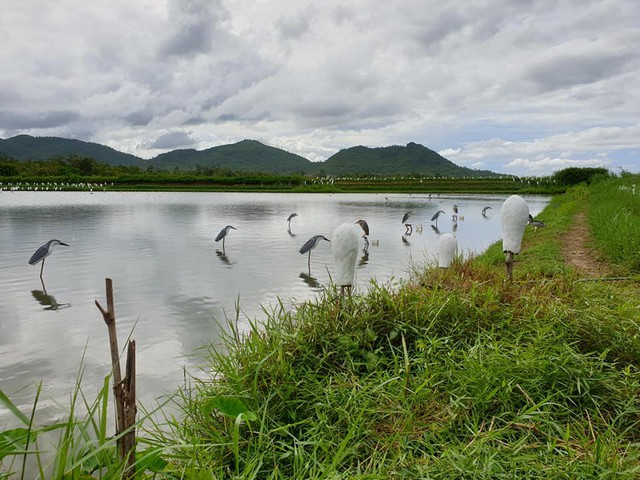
[
  {"x": 407, "y": 226},
  {"x": 291, "y": 218},
  {"x": 436, "y": 216},
  {"x": 454, "y": 217},
  {"x": 223, "y": 234},
  {"x": 514, "y": 217},
  {"x": 484, "y": 211},
  {"x": 447, "y": 245},
  {"x": 43, "y": 252},
  {"x": 310, "y": 245},
  {"x": 535, "y": 223},
  {"x": 365, "y": 228}
]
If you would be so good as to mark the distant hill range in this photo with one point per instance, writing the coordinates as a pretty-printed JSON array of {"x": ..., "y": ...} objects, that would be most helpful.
[{"x": 251, "y": 156}]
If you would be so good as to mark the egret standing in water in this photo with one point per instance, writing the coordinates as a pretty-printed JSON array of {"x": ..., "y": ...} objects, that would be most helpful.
[
  {"x": 407, "y": 226},
  {"x": 344, "y": 247},
  {"x": 43, "y": 252},
  {"x": 514, "y": 216},
  {"x": 223, "y": 234},
  {"x": 310, "y": 245}
]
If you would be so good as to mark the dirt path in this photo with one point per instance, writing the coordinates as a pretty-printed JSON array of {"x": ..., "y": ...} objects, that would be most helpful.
[{"x": 577, "y": 251}]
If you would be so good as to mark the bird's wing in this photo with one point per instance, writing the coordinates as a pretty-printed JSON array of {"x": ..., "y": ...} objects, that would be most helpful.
[
  {"x": 309, "y": 244},
  {"x": 39, "y": 255},
  {"x": 222, "y": 233},
  {"x": 406, "y": 217},
  {"x": 291, "y": 216}
]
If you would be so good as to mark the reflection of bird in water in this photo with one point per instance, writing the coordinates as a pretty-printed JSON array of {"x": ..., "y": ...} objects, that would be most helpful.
[
  {"x": 364, "y": 259},
  {"x": 309, "y": 280},
  {"x": 365, "y": 228},
  {"x": 484, "y": 211},
  {"x": 289, "y": 221},
  {"x": 310, "y": 245},
  {"x": 454, "y": 217},
  {"x": 454, "y": 227},
  {"x": 435, "y": 229},
  {"x": 386, "y": 200},
  {"x": 436, "y": 216},
  {"x": 405, "y": 240},
  {"x": 223, "y": 256},
  {"x": 419, "y": 228},
  {"x": 407, "y": 226},
  {"x": 48, "y": 301},
  {"x": 514, "y": 216},
  {"x": 43, "y": 252},
  {"x": 344, "y": 247},
  {"x": 447, "y": 245},
  {"x": 223, "y": 234},
  {"x": 535, "y": 223}
]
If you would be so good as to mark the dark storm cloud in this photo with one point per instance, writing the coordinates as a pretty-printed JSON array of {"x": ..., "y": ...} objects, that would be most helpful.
[
  {"x": 194, "y": 24},
  {"x": 20, "y": 121},
  {"x": 172, "y": 140},
  {"x": 568, "y": 70}
]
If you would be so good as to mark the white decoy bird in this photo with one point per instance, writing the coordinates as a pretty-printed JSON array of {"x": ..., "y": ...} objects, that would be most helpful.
[
  {"x": 223, "y": 234},
  {"x": 514, "y": 216},
  {"x": 43, "y": 252},
  {"x": 310, "y": 245},
  {"x": 344, "y": 247},
  {"x": 447, "y": 245}
]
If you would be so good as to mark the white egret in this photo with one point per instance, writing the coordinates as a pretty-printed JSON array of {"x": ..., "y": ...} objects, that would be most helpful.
[
  {"x": 514, "y": 216},
  {"x": 344, "y": 247},
  {"x": 447, "y": 245},
  {"x": 43, "y": 252}
]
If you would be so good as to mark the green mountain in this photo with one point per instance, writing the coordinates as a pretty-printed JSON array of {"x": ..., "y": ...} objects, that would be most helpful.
[
  {"x": 26, "y": 147},
  {"x": 396, "y": 160},
  {"x": 247, "y": 155},
  {"x": 251, "y": 156}
]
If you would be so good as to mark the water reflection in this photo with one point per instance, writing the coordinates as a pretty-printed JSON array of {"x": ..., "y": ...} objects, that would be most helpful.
[
  {"x": 224, "y": 258},
  {"x": 405, "y": 240},
  {"x": 364, "y": 259},
  {"x": 309, "y": 280},
  {"x": 47, "y": 300}
]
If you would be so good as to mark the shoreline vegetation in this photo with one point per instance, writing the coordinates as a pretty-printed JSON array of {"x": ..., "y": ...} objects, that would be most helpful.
[{"x": 452, "y": 374}]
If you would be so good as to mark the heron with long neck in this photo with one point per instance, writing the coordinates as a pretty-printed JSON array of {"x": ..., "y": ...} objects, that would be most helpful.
[
  {"x": 310, "y": 245},
  {"x": 223, "y": 234},
  {"x": 43, "y": 252}
]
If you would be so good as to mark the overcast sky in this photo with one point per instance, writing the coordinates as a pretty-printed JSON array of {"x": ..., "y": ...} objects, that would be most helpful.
[{"x": 522, "y": 87}]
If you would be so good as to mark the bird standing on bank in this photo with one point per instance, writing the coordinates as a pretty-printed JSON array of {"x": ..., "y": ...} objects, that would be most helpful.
[
  {"x": 447, "y": 245},
  {"x": 514, "y": 217},
  {"x": 43, "y": 252},
  {"x": 310, "y": 245},
  {"x": 223, "y": 234},
  {"x": 344, "y": 247},
  {"x": 535, "y": 223}
]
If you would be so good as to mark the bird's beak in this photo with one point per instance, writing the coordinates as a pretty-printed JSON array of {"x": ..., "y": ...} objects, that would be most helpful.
[{"x": 65, "y": 244}]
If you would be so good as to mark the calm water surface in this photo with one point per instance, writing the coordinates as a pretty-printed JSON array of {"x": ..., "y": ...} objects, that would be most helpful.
[{"x": 171, "y": 279}]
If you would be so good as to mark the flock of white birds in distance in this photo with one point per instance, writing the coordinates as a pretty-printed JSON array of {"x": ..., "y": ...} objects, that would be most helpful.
[{"x": 345, "y": 242}]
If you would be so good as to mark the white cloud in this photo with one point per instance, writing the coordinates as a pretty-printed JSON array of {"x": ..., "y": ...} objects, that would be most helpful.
[{"x": 507, "y": 86}]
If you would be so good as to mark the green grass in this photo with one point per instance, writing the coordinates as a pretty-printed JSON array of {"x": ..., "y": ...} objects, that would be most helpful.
[{"x": 454, "y": 374}]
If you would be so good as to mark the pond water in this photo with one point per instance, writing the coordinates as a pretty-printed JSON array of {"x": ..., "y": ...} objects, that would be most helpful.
[{"x": 172, "y": 281}]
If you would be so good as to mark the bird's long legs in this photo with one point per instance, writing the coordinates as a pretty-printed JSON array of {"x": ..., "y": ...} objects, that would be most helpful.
[
  {"x": 309, "y": 263},
  {"x": 42, "y": 268}
]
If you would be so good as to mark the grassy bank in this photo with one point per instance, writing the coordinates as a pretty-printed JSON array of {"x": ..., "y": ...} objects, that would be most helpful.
[{"x": 455, "y": 374}]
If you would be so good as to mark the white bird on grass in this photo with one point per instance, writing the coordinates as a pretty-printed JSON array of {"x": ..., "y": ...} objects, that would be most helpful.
[
  {"x": 514, "y": 217},
  {"x": 447, "y": 245}
]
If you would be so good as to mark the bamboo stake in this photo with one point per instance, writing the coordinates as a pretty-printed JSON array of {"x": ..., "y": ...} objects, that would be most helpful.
[{"x": 123, "y": 390}]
